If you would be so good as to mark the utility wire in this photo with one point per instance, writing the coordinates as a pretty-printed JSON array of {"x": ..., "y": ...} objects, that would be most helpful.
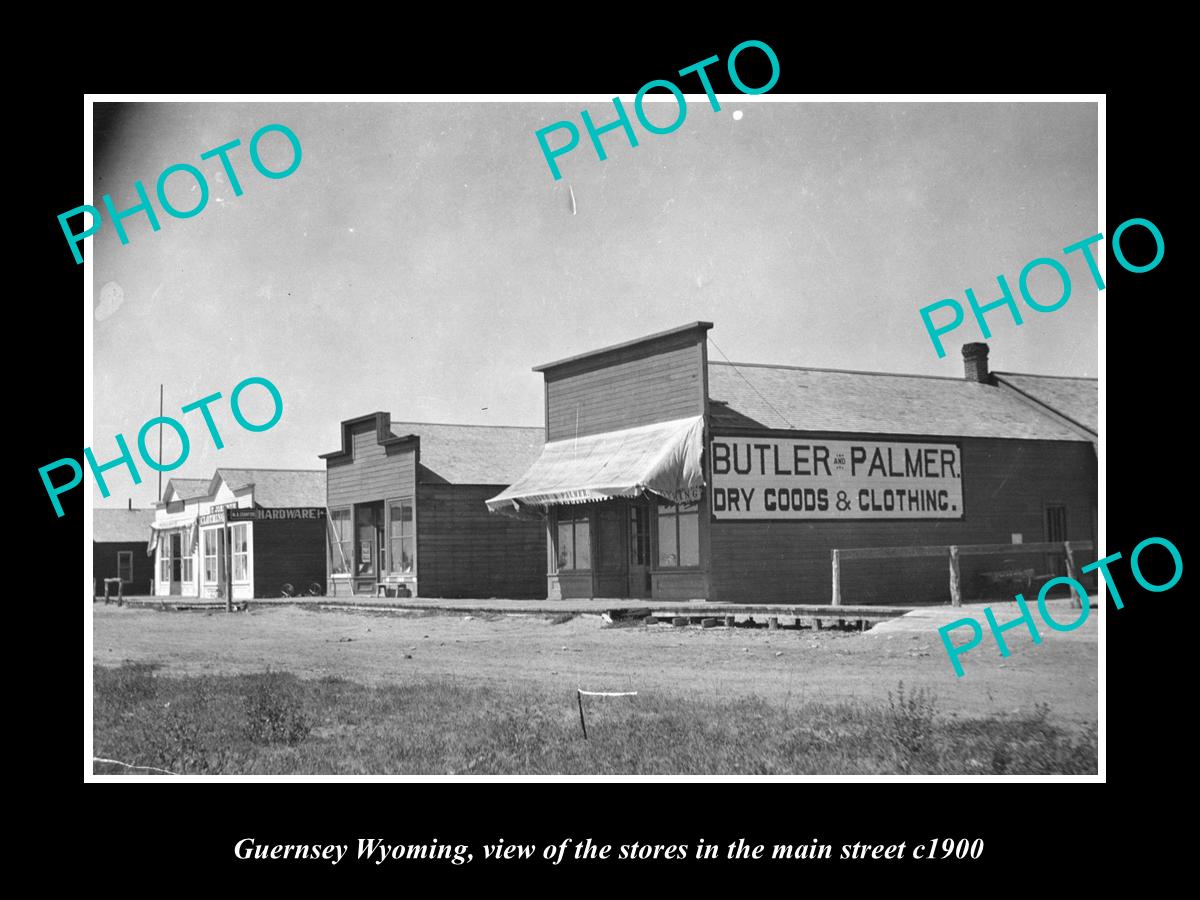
[{"x": 751, "y": 383}]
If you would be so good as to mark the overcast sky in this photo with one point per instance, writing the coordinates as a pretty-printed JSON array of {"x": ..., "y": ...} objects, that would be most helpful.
[{"x": 422, "y": 258}]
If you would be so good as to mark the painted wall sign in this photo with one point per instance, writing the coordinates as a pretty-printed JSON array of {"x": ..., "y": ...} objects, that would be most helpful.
[
  {"x": 216, "y": 514},
  {"x": 803, "y": 478},
  {"x": 245, "y": 514}
]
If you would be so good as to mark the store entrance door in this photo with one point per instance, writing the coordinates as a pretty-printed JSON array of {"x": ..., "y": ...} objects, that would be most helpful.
[
  {"x": 639, "y": 550},
  {"x": 369, "y": 547},
  {"x": 176, "y": 563}
]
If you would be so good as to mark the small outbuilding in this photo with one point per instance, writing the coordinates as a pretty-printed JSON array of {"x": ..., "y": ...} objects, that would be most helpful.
[{"x": 119, "y": 550}]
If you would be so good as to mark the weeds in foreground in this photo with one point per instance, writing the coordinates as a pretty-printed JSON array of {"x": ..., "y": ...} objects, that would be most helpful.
[
  {"x": 275, "y": 723},
  {"x": 910, "y": 729},
  {"x": 274, "y": 711}
]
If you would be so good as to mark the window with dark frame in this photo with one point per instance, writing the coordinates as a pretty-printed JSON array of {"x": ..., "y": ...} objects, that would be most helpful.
[
  {"x": 574, "y": 550},
  {"x": 1056, "y": 522},
  {"x": 678, "y": 535},
  {"x": 125, "y": 566},
  {"x": 1056, "y": 532}
]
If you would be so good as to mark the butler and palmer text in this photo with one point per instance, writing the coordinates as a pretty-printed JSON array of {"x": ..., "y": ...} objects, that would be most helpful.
[{"x": 799, "y": 478}]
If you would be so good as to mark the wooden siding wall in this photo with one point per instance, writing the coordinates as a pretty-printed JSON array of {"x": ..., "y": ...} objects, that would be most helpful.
[
  {"x": 1007, "y": 484},
  {"x": 374, "y": 473},
  {"x": 288, "y": 551},
  {"x": 104, "y": 565},
  {"x": 464, "y": 551},
  {"x": 654, "y": 384}
]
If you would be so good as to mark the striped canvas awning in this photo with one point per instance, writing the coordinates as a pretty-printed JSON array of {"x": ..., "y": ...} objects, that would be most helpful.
[
  {"x": 661, "y": 459},
  {"x": 186, "y": 522}
]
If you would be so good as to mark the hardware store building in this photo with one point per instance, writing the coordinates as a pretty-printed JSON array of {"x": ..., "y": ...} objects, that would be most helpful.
[
  {"x": 667, "y": 475},
  {"x": 408, "y": 517},
  {"x": 241, "y": 534}
]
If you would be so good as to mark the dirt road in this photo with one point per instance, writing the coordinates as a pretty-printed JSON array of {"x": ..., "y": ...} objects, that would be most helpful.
[{"x": 783, "y": 667}]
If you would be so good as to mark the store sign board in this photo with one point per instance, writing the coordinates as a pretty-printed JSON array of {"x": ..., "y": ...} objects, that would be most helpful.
[
  {"x": 254, "y": 514},
  {"x": 803, "y": 478}
]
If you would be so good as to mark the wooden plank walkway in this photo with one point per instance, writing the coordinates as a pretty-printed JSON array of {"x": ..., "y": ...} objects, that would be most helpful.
[{"x": 693, "y": 612}]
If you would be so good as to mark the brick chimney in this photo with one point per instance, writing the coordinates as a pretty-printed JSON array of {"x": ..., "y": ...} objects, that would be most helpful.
[{"x": 975, "y": 364}]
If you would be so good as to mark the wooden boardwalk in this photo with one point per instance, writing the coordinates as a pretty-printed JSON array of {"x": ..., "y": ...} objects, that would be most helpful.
[{"x": 676, "y": 612}]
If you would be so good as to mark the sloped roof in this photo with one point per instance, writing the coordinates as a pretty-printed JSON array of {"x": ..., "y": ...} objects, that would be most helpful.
[
  {"x": 278, "y": 488},
  {"x": 789, "y": 397},
  {"x": 121, "y": 526},
  {"x": 1078, "y": 399},
  {"x": 473, "y": 454},
  {"x": 188, "y": 488}
]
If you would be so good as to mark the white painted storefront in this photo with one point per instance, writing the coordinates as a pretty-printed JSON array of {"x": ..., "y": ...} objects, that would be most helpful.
[{"x": 198, "y": 553}]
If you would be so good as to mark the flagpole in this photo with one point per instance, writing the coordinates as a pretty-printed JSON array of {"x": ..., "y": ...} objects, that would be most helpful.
[{"x": 160, "y": 424}]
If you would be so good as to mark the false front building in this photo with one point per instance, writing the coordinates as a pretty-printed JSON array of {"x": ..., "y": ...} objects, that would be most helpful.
[
  {"x": 799, "y": 462},
  {"x": 407, "y": 514},
  {"x": 241, "y": 534}
]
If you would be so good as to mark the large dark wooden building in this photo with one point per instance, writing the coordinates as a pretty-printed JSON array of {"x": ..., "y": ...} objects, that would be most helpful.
[
  {"x": 119, "y": 538},
  {"x": 671, "y": 476},
  {"x": 408, "y": 517}
]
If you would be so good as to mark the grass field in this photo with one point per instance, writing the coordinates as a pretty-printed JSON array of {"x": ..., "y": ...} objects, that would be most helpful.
[
  {"x": 273, "y": 722},
  {"x": 435, "y": 694}
]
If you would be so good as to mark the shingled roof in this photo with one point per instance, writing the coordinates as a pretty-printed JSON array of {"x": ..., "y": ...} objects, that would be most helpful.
[
  {"x": 278, "y": 488},
  {"x": 831, "y": 400},
  {"x": 1077, "y": 399},
  {"x": 473, "y": 454},
  {"x": 121, "y": 526},
  {"x": 188, "y": 488}
]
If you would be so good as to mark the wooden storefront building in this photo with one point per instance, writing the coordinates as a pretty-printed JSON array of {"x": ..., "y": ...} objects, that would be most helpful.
[
  {"x": 407, "y": 511},
  {"x": 241, "y": 534},
  {"x": 667, "y": 475}
]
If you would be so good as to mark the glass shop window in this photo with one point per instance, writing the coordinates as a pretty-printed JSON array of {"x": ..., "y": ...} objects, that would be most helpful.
[
  {"x": 241, "y": 552},
  {"x": 342, "y": 539},
  {"x": 164, "y": 558},
  {"x": 679, "y": 535},
  {"x": 211, "y": 539},
  {"x": 574, "y": 540},
  {"x": 401, "y": 536}
]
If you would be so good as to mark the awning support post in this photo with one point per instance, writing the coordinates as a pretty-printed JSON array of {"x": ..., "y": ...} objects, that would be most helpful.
[{"x": 837, "y": 579}]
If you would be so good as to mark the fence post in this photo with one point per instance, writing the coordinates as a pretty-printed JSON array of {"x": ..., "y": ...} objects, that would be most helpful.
[
  {"x": 1073, "y": 574},
  {"x": 837, "y": 580},
  {"x": 955, "y": 587}
]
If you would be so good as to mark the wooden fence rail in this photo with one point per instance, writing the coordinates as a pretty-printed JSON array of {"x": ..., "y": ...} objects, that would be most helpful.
[{"x": 953, "y": 553}]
